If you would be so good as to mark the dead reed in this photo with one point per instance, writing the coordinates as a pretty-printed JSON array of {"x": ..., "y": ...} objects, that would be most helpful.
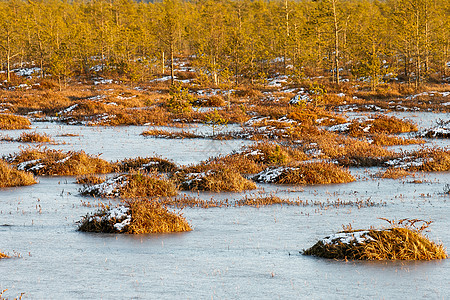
[{"x": 10, "y": 177}]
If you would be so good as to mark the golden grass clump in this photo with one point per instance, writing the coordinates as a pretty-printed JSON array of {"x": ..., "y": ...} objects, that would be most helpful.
[
  {"x": 55, "y": 162},
  {"x": 147, "y": 185},
  {"x": 3, "y": 255},
  {"x": 10, "y": 177},
  {"x": 148, "y": 217},
  {"x": 308, "y": 173},
  {"x": 435, "y": 160},
  {"x": 393, "y": 173},
  {"x": 34, "y": 137},
  {"x": 274, "y": 154},
  {"x": 312, "y": 115},
  {"x": 265, "y": 201},
  {"x": 382, "y": 139},
  {"x": 402, "y": 241},
  {"x": 130, "y": 186},
  {"x": 8, "y": 122},
  {"x": 170, "y": 134},
  {"x": 381, "y": 124},
  {"x": 135, "y": 217},
  {"x": 89, "y": 179},
  {"x": 222, "y": 179},
  {"x": 146, "y": 163}
]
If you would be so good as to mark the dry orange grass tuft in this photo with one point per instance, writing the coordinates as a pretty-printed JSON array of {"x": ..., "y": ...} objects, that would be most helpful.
[
  {"x": 307, "y": 173},
  {"x": 170, "y": 134},
  {"x": 3, "y": 255},
  {"x": 394, "y": 173},
  {"x": 382, "y": 139},
  {"x": 147, "y": 185},
  {"x": 10, "y": 177},
  {"x": 89, "y": 179},
  {"x": 8, "y": 122},
  {"x": 311, "y": 116},
  {"x": 317, "y": 173},
  {"x": 55, "y": 162},
  {"x": 135, "y": 217},
  {"x": 146, "y": 163},
  {"x": 219, "y": 179},
  {"x": 400, "y": 242},
  {"x": 150, "y": 217},
  {"x": 34, "y": 137},
  {"x": 381, "y": 124}
]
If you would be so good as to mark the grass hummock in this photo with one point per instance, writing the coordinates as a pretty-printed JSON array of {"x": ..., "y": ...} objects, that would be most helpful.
[
  {"x": 3, "y": 255},
  {"x": 135, "y": 217},
  {"x": 56, "y": 162},
  {"x": 10, "y": 177},
  {"x": 133, "y": 185},
  {"x": 9, "y": 122},
  {"x": 35, "y": 137},
  {"x": 401, "y": 241},
  {"x": 306, "y": 173},
  {"x": 220, "y": 179}
]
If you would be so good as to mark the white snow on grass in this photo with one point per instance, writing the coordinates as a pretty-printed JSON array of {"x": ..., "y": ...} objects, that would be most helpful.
[
  {"x": 347, "y": 238},
  {"x": 340, "y": 127},
  {"x": 271, "y": 175},
  {"x": 108, "y": 188}
]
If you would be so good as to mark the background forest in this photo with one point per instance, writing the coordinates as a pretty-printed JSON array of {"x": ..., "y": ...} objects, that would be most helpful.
[{"x": 227, "y": 41}]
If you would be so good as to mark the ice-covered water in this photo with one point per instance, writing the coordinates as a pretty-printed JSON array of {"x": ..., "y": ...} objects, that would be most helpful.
[{"x": 233, "y": 252}]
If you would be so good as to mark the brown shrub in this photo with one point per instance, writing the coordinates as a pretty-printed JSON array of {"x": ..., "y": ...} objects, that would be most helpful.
[
  {"x": 10, "y": 177},
  {"x": 8, "y": 122}
]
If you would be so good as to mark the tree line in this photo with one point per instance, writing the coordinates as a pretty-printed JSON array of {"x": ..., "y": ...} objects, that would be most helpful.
[{"x": 235, "y": 41}]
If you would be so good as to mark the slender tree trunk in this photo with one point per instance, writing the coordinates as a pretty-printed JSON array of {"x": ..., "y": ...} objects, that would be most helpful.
[
  {"x": 163, "y": 63},
  {"x": 171, "y": 63},
  {"x": 336, "y": 41}
]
